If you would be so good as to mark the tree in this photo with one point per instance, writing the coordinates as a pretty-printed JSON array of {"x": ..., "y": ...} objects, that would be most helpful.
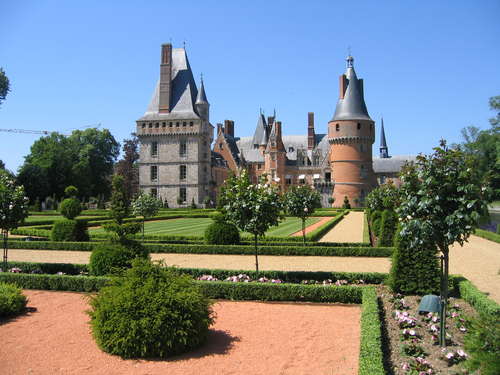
[
  {"x": 384, "y": 197},
  {"x": 13, "y": 209},
  {"x": 128, "y": 167},
  {"x": 2, "y": 165},
  {"x": 252, "y": 208},
  {"x": 442, "y": 198},
  {"x": 4, "y": 86},
  {"x": 301, "y": 201},
  {"x": 120, "y": 205},
  {"x": 346, "y": 204},
  {"x": 482, "y": 145},
  {"x": 146, "y": 205}
]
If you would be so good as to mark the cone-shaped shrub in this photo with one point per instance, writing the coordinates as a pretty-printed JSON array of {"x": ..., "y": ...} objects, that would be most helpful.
[
  {"x": 387, "y": 228},
  {"x": 150, "y": 312}
]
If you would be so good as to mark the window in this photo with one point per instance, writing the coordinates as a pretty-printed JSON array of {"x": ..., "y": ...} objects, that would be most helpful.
[
  {"x": 205, "y": 169},
  {"x": 221, "y": 146},
  {"x": 337, "y": 127},
  {"x": 157, "y": 125},
  {"x": 143, "y": 125},
  {"x": 182, "y": 172},
  {"x": 154, "y": 173},
  {"x": 371, "y": 126},
  {"x": 259, "y": 166},
  {"x": 182, "y": 194},
  {"x": 204, "y": 143},
  {"x": 184, "y": 123},
  {"x": 154, "y": 149},
  {"x": 290, "y": 149},
  {"x": 154, "y": 192},
  {"x": 359, "y": 126},
  {"x": 150, "y": 125},
  {"x": 182, "y": 148},
  {"x": 170, "y": 124},
  {"x": 362, "y": 171},
  {"x": 288, "y": 181},
  {"x": 177, "y": 123},
  {"x": 205, "y": 155},
  {"x": 328, "y": 176},
  {"x": 163, "y": 124},
  {"x": 361, "y": 148},
  {"x": 273, "y": 156},
  {"x": 190, "y": 123}
]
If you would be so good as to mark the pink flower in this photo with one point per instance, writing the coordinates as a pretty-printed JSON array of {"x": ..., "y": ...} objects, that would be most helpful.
[
  {"x": 461, "y": 353},
  {"x": 449, "y": 355},
  {"x": 405, "y": 366}
]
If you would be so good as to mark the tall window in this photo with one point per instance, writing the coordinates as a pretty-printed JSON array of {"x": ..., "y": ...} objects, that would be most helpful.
[
  {"x": 183, "y": 194},
  {"x": 154, "y": 192},
  {"x": 154, "y": 149},
  {"x": 183, "y": 148},
  {"x": 182, "y": 172},
  {"x": 362, "y": 171},
  {"x": 337, "y": 127},
  {"x": 328, "y": 176},
  {"x": 154, "y": 173}
]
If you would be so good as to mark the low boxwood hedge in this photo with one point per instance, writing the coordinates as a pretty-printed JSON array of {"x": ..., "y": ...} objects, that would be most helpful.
[
  {"x": 488, "y": 235},
  {"x": 293, "y": 250},
  {"x": 477, "y": 299},
  {"x": 371, "y": 357},
  {"x": 54, "y": 282}
]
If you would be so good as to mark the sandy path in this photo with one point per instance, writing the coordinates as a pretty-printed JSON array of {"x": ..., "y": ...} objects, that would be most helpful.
[
  {"x": 312, "y": 227},
  {"x": 230, "y": 262},
  {"x": 247, "y": 338},
  {"x": 349, "y": 229}
]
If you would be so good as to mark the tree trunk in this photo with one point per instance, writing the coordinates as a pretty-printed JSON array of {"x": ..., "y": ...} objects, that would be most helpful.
[
  {"x": 256, "y": 256},
  {"x": 304, "y": 231},
  {"x": 444, "y": 296},
  {"x": 5, "y": 234}
]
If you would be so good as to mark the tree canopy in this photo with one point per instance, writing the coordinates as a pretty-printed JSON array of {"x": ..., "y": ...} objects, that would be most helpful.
[
  {"x": 301, "y": 201},
  {"x": 128, "y": 167},
  {"x": 84, "y": 159},
  {"x": 4, "y": 85}
]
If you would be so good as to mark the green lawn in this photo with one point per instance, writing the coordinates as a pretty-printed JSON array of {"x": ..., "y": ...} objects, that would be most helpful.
[
  {"x": 37, "y": 218},
  {"x": 196, "y": 227}
]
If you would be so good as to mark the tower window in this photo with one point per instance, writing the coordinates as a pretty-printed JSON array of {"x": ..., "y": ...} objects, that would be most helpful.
[
  {"x": 191, "y": 123},
  {"x": 183, "y": 194},
  {"x": 328, "y": 176},
  {"x": 154, "y": 149},
  {"x": 362, "y": 171},
  {"x": 359, "y": 126},
  {"x": 361, "y": 147},
  {"x": 170, "y": 124},
  {"x": 182, "y": 172},
  {"x": 337, "y": 127},
  {"x": 157, "y": 125},
  {"x": 290, "y": 149},
  {"x": 154, "y": 192},
  {"x": 154, "y": 173},
  {"x": 163, "y": 124},
  {"x": 182, "y": 148},
  {"x": 143, "y": 126},
  {"x": 177, "y": 123},
  {"x": 150, "y": 125},
  {"x": 184, "y": 123}
]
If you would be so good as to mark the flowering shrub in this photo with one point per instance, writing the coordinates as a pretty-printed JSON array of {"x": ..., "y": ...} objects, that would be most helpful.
[
  {"x": 404, "y": 319},
  {"x": 453, "y": 357}
]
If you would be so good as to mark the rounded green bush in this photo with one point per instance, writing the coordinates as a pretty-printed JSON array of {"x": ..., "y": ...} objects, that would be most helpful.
[
  {"x": 150, "y": 312},
  {"x": 12, "y": 301},
  {"x": 70, "y": 208},
  {"x": 222, "y": 233},
  {"x": 112, "y": 257},
  {"x": 71, "y": 191},
  {"x": 69, "y": 230}
]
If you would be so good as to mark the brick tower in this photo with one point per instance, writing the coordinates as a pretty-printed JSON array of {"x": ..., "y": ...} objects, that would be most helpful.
[{"x": 351, "y": 134}]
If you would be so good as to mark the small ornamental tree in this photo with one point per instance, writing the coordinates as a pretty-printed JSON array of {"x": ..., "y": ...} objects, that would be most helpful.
[
  {"x": 252, "y": 208},
  {"x": 120, "y": 205},
  {"x": 442, "y": 199},
  {"x": 146, "y": 205},
  {"x": 301, "y": 201},
  {"x": 13, "y": 209},
  {"x": 385, "y": 197},
  {"x": 346, "y": 203}
]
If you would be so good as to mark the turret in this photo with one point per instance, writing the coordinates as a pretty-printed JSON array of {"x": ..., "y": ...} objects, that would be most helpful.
[
  {"x": 202, "y": 105},
  {"x": 351, "y": 134}
]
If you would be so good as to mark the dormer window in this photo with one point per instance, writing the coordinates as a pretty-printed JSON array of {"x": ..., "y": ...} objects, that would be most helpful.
[
  {"x": 359, "y": 126},
  {"x": 337, "y": 127},
  {"x": 290, "y": 149}
]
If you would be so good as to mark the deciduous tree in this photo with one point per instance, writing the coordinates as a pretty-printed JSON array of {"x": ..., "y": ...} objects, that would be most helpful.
[
  {"x": 128, "y": 167},
  {"x": 4, "y": 85},
  {"x": 146, "y": 205},
  {"x": 301, "y": 201}
]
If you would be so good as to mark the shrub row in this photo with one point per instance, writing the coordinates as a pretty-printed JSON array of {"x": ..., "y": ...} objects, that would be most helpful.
[
  {"x": 218, "y": 249},
  {"x": 477, "y": 299},
  {"x": 370, "y": 354},
  {"x": 366, "y": 230},
  {"x": 488, "y": 235},
  {"x": 319, "y": 232},
  {"x": 285, "y": 276},
  {"x": 54, "y": 282}
]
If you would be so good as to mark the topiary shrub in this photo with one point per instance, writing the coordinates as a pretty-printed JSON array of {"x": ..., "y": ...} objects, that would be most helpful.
[
  {"x": 70, "y": 230},
  {"x": 387, "y": 228},
  {"x": 415, "y": 267},
  {"x": 113, "y": 257},
  {"x": 346, "y": 204},
  {"x": 222, "y": 233},
  {"x": 150, "y": 312},
  {"x": 71, "y": 191},
  {"x": 70, "y": 208},
  {"x": 12, "y": 301}
]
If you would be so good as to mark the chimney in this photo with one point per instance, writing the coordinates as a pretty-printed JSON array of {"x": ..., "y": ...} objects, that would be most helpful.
[
  {"x": 270, "y": 121},
  {"x": 311, "y": 141},
  {"x": 219, "y": 128},
  {"x": 165, "y": 78},
  {"x": 229, "y": 127},
  {"x": 343, "y": 85}
]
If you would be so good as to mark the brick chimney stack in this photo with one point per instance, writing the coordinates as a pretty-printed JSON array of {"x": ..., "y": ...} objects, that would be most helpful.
[
  {"x": 165, "y": 78},
  {"x": 219, "y": 128},
  {"x": 311, "y": 136},
  {"x": 229, "y": 127}
]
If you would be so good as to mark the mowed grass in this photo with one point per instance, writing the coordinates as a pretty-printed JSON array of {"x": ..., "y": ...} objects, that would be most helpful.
[
  {"x": 195, "y": 227},
  {"x": 37, "y": 218}
]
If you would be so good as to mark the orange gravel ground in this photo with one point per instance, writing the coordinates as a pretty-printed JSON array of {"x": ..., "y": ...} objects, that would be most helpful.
[
  {"x": 247, "y": 338},
  {"x": 312, "y": 227}
]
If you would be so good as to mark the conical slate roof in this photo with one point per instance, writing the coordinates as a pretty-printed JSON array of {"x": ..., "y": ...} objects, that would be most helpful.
[
  {"x": 202, "y": 97},
  {"x": 352, "y": 106},
  {"x": 383, "y": 142},
  {"x": 184, "y": 91},
  {"x": 260, "y": 135}
]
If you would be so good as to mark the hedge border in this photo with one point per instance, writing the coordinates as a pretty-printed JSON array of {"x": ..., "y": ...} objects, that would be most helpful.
[
  {"x": 366, "y": 229},
  {"x": 319, "y": 232},
  {"x": 356, "y": 251},
  {"x": 477, "y": 299},
  {"x": 487, "y": 235}
]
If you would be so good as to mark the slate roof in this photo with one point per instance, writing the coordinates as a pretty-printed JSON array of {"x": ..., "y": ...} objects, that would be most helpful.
[
  {"x": 383, "y": 142},
  {"x": 201, "y": 98},
  {"x": 260, "y": 135},
  {"x": 392, "y": 164},
  {"x": 352, "y": 106},
  {"x": 184, "y": 92},
  {"x": 233, "y": 147}
]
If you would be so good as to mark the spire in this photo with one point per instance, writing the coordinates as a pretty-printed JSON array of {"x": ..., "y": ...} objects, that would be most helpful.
[
  {"x": 260, "y": 134},
  {"x": 384, "y": 153},
  {"x": 202, "y": 97},
  {"x": 351, "y": 104}
]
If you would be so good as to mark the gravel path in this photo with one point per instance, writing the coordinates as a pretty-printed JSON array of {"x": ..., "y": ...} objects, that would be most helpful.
[{"x": 349, "y": 229}]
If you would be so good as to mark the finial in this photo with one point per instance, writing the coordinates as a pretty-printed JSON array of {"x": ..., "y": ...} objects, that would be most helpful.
[
  {"x": 274, "y": 113},
  {"x": 184, "y": 44},
  {"x": 201, "y": 77},
  {"x": 260, "y": 110}
]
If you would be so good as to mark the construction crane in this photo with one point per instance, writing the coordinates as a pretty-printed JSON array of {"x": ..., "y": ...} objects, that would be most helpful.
[{"x": 44, "y": 132}]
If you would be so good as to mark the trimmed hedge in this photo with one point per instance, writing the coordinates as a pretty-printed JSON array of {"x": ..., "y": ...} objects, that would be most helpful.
[
  {"x": 69, "y": 230},
  {"x": 477, "y": 299},
  {"x": 388, "y": 226},
  {"x": 316, "y": 234},
  {"x": 285, "y": 276},
  {"x": 366, "y": 230},
  {"x": 488, "y": 235},
  {"x": 370, "y": 355},
  {"x": 55, "y": 282},
  {"x": 295, "y": 250}
]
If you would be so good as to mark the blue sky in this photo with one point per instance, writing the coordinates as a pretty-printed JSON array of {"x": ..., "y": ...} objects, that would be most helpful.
[{"x": 429, "y": 67}]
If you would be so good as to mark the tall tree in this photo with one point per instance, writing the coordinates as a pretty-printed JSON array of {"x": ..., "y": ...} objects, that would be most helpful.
[
  {"x": 442, "y": 199},
  {"x": 128, "y": 167},
  {"x": 301, "y": 201},
  {"x": 4, "y": 85}
]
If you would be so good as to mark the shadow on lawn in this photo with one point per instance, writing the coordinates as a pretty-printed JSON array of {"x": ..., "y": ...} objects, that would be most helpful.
[{"x": 218, "y": 343}]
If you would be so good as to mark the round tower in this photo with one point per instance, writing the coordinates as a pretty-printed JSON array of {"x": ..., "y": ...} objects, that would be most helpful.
[{"x": 351, "y": 133}]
